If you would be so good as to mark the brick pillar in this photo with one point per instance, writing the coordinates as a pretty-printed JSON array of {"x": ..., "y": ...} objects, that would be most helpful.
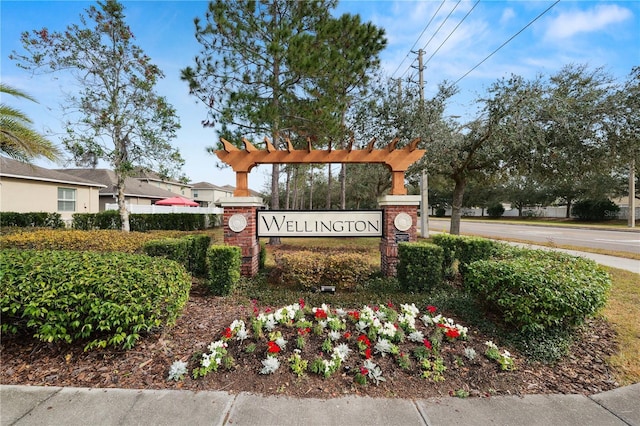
[
  {"x": 239, "y": 222},
  {"x": 400, "y": 214}
]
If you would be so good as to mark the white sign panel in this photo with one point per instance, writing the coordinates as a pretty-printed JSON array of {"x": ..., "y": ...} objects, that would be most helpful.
[{"x": 286, "y": 223}]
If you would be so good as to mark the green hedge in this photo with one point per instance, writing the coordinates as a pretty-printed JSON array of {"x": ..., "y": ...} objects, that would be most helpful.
[
  {"x": 460, "y": 251},
  {"x": 420, "y": 266},
  {"x": 34, "y": 219},
  {"x": 198, "y": 246},
  {"x": 535, "y": 290},
  {"x": 309, "y": 270},
  {"x": 172, "y": 248},
  {"x": 110, "y": 219},
  {"x": 105, "y": 299},
  {"x": 224, "y": 268}
]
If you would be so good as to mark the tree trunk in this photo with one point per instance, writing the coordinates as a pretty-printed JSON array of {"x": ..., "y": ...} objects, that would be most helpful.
[
  {"x": 456, "y": 205},
  {"x": 329, "y": 179},
  {"x": 311, "y": 188},
  {"x": 122, "y": 207},
  {"x": 568, "y": 214},
  {"x": 287, "y": 189},
  {"x": 343, "y": 186}
]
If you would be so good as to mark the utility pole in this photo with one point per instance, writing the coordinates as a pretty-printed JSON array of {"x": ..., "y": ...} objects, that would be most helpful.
[
  {"x": 424, "y": 177},
  {"x": 631, "y": 220}
]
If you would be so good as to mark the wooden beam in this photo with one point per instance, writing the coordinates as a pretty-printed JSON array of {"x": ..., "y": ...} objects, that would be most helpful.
[
  {"x": 248, "y": 146},
  {"x": 370, "y": 144},
  {"x": 228, "y": 146},
  {"x": 413, "y": 145},
  {"x": 269, "y": 146},
  {"x": 393, "y": 143}
]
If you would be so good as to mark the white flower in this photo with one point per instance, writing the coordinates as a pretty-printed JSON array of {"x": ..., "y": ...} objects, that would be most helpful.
[
  {"x": 374, "y": 372},
  {"x": 341, "y": 312},
  {"x": 237, "y": 325},
  {"x": 206, "y": 360},
  {"x": 491, "y": 345},
  {"x": 334, "y": 335},
  {"x": 388, "y": 329},
  {"x": 281, "y": 342},
  {"x": 470, "y": 353},
  {"x": 416, "y": 336},
  {"x": 322, "y": 323},
  {"x": 427, "y": 320},
  {"x": 361, "y": 326},
  {"x": 270, "y": 365},
  {"x": 342, "y": 351},
  {"x": 383, "y": 346},
  {"x": 270, "y": 324},
  {"x": 381, "y": 315},
  {"x": 410, "y": 310},
  {"x": 214, "y": 346},
  {"x": 506, "y": 354},
  {"x": 242, "y": 334},
  {"x": 177, "y": 370}
]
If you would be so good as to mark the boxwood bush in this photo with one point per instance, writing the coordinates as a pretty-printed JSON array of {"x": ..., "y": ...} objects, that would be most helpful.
[
  {"x": 460, "y": 251},
  {"x": 171, "y": 248},
  {"x": 224, "y": 264},
  {"x": 103, "y": 299},
  {"x": 309, "y": 270},
  {"x": 535, "y": 290},
  {"x": 420, "y": 266},
  {"x": 33, "y": 219}
]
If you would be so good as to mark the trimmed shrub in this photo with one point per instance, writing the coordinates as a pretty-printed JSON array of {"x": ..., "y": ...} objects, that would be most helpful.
[
  {"x": 595, "y": 210},
  {"x": 540, "y": 291},
  {"x": 495, "y": 210},
  {"x": 262, "y": 259},
  {"x": 198, "y": 245},
  {"x": 309, "y": 270},
  {"x": 171, "y": 248},
  {"x": 463, "y": 250},
  {"x": 34, "y": 219},
  {"x": 420, "y": 266},
  {"x": 110, "y": 219},
  {"x": 224, "y": 268},
  {"x": 105, "y": 299},
  {"x": 69, "y": 239}
]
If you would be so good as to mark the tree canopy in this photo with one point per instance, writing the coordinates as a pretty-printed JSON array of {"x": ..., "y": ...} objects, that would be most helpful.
[{"x": 116, "y": 115}]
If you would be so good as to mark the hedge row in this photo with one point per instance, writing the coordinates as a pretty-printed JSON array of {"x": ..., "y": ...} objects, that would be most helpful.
[
  {"x": 190, "y": 251},
  {"x": 110, "y": 219},
  {"x": 310, "y": 270},
  {"x": 105, "y": 299},
  {"x": 34, "y": 219},
  {"x": 70, "y": 239}
]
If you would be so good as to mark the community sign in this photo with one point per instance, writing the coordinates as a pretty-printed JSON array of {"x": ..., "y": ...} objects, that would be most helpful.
[{"x": 287, "y": 223}]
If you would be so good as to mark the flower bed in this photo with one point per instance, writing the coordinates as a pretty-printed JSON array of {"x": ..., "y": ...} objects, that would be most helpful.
[{"x": 323, "y": 341}]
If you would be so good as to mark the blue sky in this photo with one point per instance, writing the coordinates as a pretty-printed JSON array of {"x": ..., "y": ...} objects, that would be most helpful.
[{"x": 598, "y": 33}]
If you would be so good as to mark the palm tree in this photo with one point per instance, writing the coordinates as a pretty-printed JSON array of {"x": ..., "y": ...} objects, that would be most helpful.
[{"x": 18, "y": 140}]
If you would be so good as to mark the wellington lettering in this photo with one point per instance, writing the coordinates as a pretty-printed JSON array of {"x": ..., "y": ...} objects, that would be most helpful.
[{"x": 314, "y": 224}]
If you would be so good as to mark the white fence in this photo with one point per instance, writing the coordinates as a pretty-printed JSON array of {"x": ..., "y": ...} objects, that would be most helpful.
[
  {"x": 153, "y": 209},
  {"x": 552, "y": 212}
]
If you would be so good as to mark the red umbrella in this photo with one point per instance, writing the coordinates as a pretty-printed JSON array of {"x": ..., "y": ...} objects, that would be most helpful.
[{"x": 177, "y": 201}]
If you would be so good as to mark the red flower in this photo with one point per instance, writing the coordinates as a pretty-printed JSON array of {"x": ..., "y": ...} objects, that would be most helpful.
[
  {"x": 427, "y": 344},
  {"x": 347, "y": 334},
  {"x": 441, "y": 325},
  {"x": 432, "y": 309},
  {"x": 390, "y": 304},
  {"x": 367, "y": 353},
  {"x": 355, "y": 315},
  {"x": 321, "y": 314},
  {"x": 364, "y": 339},
  {"x": 452, "y": 333},
  {"x": 273, "y": 347},
  {"x": 227, "y": 333},
  {"x": 301, "y": 303},
  {"x": 303, "y": 331},
  {"x": 364, "y": 371}
]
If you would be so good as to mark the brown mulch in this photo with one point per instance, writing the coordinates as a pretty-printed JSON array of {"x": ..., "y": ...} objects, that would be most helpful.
[{"x": 27, "y": 361}]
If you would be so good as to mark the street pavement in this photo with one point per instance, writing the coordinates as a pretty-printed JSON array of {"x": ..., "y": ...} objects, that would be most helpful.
[{"x": 34, "y": 405}]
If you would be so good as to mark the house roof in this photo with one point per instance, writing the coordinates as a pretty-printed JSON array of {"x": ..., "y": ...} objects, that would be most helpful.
[
  {"x": 17, "y": 169},
  {"x": 132, "y": 186},
  {"x": 149, "y": 175},
  {"x": 207, "y": 185}
]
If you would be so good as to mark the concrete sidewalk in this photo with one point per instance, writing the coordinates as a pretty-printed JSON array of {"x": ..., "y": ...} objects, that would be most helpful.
[{"x": 31, "y": 405}]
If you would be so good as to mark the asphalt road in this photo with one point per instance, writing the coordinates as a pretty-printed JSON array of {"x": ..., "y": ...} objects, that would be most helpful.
[{"x": 622, "y": 240}]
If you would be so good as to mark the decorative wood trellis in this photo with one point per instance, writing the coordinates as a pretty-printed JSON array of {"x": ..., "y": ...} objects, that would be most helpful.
[{"x": 243, "y": 160}]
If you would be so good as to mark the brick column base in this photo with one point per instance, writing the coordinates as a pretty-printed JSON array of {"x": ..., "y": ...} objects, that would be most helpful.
[
  {"x": 400, "y": 214},
  {"x": 237, "y": 212}
]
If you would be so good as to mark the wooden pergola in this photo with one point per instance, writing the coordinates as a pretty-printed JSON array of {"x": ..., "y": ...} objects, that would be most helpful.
[{"x": 243, "y": 160}]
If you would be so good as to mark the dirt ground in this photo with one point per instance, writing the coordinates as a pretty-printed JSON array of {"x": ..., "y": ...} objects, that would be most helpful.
[{"x": 29, "y": 362}]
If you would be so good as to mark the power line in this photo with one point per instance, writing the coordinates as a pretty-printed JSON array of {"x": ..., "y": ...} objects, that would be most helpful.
[
  {"x": 441, "y": 24},
  {"x": 451, "y": 33},
  {"x": 418, "y": 39},
  {"x": 506, "y": 42}
]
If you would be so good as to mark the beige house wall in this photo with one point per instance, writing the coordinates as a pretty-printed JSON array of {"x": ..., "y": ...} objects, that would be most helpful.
[
  {"x": 209, "y": 195},
  {"x": 25, "y": 196},
  {"x": 128, "y": 200}
]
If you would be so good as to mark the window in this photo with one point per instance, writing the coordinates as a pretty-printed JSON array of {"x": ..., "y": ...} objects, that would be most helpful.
[
  {"x": 66, "y": 200},
  {"x": 195, "y": 195}
]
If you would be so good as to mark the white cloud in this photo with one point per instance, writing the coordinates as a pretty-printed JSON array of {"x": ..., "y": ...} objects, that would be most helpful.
[
  {"x": 507, "y": 15},
  {"x": 568, "y": 24}
]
